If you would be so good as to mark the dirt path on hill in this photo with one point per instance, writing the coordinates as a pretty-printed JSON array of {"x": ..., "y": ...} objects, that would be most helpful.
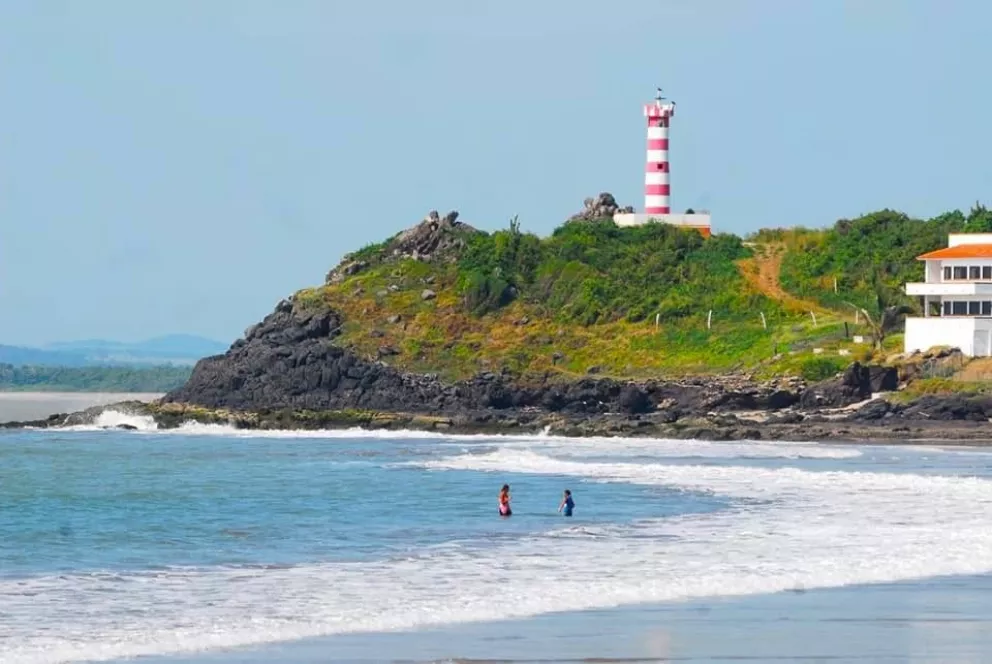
[{"x": 762, "y": 272}]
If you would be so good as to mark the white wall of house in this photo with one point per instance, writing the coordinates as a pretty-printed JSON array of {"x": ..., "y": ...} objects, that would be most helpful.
[
  {"x": 955, "y": 239},
  {"x": 972, "y": 335}
]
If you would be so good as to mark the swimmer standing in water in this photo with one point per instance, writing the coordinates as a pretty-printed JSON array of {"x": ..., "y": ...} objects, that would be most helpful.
[
  {"x": 567, "y": 504},
  {"x": 504, "y": 501}
]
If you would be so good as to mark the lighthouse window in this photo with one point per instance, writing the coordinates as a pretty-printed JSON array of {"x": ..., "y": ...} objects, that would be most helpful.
[{"x": 959, "y": 308}]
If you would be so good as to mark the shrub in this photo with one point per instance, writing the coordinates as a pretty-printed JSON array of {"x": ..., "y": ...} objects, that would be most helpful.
[
  {"x": 820, "y": 368},
  {"x": 598, "y": 272}
]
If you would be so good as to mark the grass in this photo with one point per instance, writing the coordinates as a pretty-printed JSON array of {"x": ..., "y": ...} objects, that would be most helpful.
[
  {"x": 584, "y": 300},
  {"x": 441, "y": 336},
  {"x": 940, "y": 387}
]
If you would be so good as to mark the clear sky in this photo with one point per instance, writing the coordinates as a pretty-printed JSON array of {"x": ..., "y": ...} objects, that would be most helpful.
[{"x": 180, "y": 166}]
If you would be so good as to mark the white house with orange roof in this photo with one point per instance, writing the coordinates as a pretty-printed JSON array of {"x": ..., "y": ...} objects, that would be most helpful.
[{"x": 956, "y": 297}]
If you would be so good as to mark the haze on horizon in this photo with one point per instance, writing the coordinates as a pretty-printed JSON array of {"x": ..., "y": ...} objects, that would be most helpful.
[{"x": 181, "y": 166}]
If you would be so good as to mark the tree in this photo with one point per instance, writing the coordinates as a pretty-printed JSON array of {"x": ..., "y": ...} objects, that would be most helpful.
[
  {"x": 888, "y": 319},
  {"x": 979, "y": 220},
  {"x": 514, "y": 226}
]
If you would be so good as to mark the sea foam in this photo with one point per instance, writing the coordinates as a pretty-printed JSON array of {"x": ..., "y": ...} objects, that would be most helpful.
[{"x": 791, "y": 528}]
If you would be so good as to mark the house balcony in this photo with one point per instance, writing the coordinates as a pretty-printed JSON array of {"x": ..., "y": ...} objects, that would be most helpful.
[{"x": 950, "y": 288}]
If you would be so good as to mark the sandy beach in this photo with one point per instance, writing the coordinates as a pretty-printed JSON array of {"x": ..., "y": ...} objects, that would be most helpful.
[{"x": 944, "y": 620}]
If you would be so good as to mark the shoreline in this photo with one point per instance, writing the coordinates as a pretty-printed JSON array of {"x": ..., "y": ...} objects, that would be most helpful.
[
  {"x": 726, "y": 426},
  {"x": 934, "y": 619}
]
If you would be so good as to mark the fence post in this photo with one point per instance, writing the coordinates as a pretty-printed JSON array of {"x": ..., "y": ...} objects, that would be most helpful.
[
  {"x": 709, "y": 319},
  {"x": 657, "y": 320},
  {"x": 764, "y": 323},
  {"x": 814, "y": 318}
]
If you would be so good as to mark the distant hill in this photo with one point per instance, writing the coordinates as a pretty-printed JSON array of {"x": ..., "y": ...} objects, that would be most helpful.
[
  {"x": 175, "y": 349},
  {"x": 22, "y": 356},
  {"x": 92, "y": 379}
]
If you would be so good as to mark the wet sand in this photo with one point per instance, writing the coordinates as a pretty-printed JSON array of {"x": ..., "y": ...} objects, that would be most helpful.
[{"x": 947, "y": 620}]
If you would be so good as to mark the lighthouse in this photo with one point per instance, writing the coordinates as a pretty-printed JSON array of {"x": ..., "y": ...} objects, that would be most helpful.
[
  {"x": 657, "y": 174},
  {"x": 657, "y": 188}
]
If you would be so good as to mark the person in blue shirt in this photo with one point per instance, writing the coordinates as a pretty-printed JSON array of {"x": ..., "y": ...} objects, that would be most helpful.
[{"x": 567, "y": 504}]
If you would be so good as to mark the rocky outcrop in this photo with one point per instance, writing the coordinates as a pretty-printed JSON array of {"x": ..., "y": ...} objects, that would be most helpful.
[
  {"x": 289, "y": 372},
  {"x": 291, "y": 360},
  {"x": 934, "y": 363},
  {"x": 956, "y": 426},
  {"x": 346, "y": 269},
  {"x": 949, "y": 407},
  {"x": 857, "y": 383},
  {"x": 603, "y": 206},
  {"x": 434, "y": 238}
]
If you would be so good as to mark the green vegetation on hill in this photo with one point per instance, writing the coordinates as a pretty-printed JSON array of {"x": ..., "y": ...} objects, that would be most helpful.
[
  {"x": 596, "y": 272},
  {"x": 583, "y": 300},
  {"x": 92, "y": 379},
  {"x": 870, "y": 258},
  {"x": 586, "y": 298}
]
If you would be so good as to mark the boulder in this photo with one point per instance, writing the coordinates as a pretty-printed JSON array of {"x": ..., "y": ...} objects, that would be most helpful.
[
  {"x": 634, "y": 400},
  {"x": 434, "y": 237},
  {"x": 883, "y": 379},
  {"x": 949, "y": 407},
  {"x": 852, "y": 386},
  {"x": 428, "y": 294},
  {"x": 603, "y": 206},
  {"x": 875, "y": 409},
  {"x": 780, "y": 399},
  {"x": 346, "y": 269}
]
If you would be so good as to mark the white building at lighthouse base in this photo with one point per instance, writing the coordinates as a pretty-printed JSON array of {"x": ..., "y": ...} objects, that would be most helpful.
[
  {"x": 697, "y": 221},
  {"x": 956, "y": 297}
]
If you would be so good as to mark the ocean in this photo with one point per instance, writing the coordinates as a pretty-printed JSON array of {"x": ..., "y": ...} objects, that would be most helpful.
[{"x": 205, "y": 544}]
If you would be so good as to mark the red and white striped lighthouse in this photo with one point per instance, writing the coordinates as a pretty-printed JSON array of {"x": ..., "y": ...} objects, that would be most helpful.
[{"x": 657, "y": 188}]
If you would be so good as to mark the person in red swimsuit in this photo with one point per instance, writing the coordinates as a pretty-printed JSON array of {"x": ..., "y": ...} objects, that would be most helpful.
[{"x": 504, "y": 501}]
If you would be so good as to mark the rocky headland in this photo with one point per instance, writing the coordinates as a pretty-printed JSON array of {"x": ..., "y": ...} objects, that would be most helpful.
[
  {"x": 301, "y": 367},
  {"x": 288, "y": 373}
]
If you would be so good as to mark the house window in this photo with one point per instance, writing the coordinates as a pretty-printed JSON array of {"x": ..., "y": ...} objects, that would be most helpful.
[
  {"x": 987, "y": 272},
  {"x": 947, "y": 274},
  {"x": 975, "y": 272},
  {"x": 960, "y": 272},
  {"x": 959, "y": 308},
  {"x": 974, "y": 308},
  {"x": 987, "y": 308},
  {"x": 947, "y": 308}
]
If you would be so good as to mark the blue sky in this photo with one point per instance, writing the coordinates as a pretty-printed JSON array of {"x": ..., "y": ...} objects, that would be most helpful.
[{"x": 181, "y": 166}]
